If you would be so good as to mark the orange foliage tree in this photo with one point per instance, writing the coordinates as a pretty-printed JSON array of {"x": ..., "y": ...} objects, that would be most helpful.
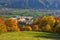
[
  {"x": 11, "y": 24},
  {"x": 2, "y": 25}
]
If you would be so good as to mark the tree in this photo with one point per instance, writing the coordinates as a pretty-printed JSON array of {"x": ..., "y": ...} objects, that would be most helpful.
[
  {"x": 48, "y": 28},
  {"x": 47, "y": 20},
  {"x": 36, "y": 21},
  {"x": 11, "y": 24},
  {"x": 2, "y": 25}
]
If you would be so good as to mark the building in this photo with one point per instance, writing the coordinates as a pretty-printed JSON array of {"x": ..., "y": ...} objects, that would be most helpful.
[{"x": 24, "y": 19}]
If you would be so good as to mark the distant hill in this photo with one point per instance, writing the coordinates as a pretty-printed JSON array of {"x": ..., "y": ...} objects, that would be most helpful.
[{"x": 31, "y": 4}]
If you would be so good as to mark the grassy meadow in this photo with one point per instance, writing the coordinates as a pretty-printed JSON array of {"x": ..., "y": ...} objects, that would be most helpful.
[
  {"x": 23, "y": 12},
  {"x": 29, "y": 35}
]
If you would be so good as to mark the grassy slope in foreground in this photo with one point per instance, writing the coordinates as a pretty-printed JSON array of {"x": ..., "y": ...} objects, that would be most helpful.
[{"x": 27, "y": 35}]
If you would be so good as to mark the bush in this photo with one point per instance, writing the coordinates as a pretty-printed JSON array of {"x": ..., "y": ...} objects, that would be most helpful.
[
  {"x": 57, "y": 29},
  {"x": 27, "y": 28},
  {"x": 48, "y": 28},
  {"x": 35, "y": 28}
]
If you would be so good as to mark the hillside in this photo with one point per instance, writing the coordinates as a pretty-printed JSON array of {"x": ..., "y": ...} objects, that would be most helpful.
[
  {"x": 26, "y": 35},
  {"x": 31, "y": 4}
]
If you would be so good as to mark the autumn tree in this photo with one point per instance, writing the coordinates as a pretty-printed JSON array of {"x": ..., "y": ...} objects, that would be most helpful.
[
  {"x": 2, "y": 25},
  {"x": 11, "y": 24},
  {"x": 47, "y": 20},
  {"x": 35, "y": 22},
  {"x": 48, "y": 28}
]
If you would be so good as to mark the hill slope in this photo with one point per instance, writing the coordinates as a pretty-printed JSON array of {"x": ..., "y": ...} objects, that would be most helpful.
[
  {"x": 31, "y": 4},
  {"x": 29, "y": 36}
]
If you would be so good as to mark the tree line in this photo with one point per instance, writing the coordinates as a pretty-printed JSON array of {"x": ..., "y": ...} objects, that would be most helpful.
[{"x": 43, "y": 24}]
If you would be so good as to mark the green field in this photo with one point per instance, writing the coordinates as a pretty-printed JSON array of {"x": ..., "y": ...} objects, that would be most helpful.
[
  {"x": 31, "y": 13},
  {"x": 29, "y": 35}
]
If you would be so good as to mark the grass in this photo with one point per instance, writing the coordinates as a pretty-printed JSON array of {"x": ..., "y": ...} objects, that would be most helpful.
[
  {"x": 32, "y": 13},
  {"x": 29, "y": 35}
]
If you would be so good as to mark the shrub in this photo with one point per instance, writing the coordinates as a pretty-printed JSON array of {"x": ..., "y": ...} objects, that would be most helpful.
[
  {"x": 27, "y": 28},
  {"x": 35, "y": 28},
  {"x": 48, "y": 28},
  {"x": 57, "y": 29}
]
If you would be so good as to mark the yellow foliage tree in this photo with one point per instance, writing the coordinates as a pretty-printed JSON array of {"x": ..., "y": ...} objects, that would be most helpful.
[
  {"x": 27, "y": 28},
  {"x": 35, "y": 28},
  {"x": 48, "y": 28},
  {"x": 47, "y": 20}
]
